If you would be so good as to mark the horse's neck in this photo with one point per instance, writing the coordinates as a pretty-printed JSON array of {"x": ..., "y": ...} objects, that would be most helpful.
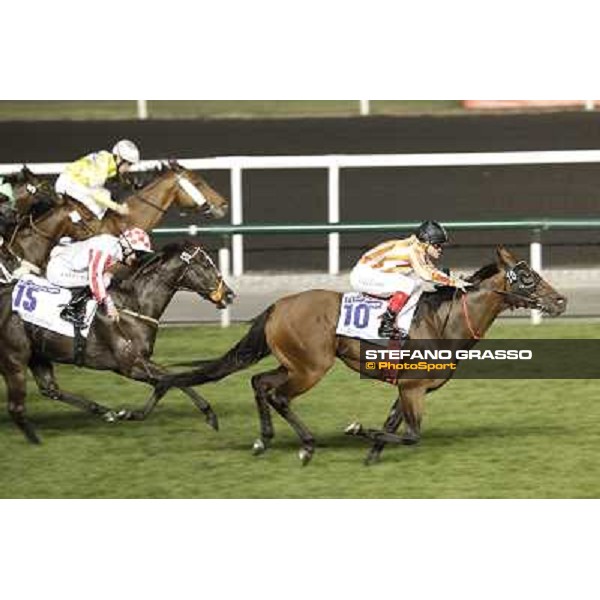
[
  {"x": 154, "y": 292},
  {"x": 482, "y": 307},
  {"x": 33, "y": 243},
  {"x": 159, "y": 196}
]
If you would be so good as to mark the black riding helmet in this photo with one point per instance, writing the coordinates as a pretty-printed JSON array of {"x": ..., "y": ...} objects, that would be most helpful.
[{"x": 431, "y": 232}]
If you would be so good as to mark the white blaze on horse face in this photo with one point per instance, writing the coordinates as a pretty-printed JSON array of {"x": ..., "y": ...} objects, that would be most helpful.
[{"x": 192, "y": 191}]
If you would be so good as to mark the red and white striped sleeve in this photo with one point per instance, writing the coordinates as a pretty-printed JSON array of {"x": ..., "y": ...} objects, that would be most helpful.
[{"x": 98, "y": 262}]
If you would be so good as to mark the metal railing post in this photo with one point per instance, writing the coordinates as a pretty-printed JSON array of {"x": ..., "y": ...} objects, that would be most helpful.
[
  {"x": 142, "y": 109},
  {"x": 333, "y": 216},
  {"x": 237, "y": 218},
  {"x": 535, "y": 261},
  {"x": 224, "y": 268}
]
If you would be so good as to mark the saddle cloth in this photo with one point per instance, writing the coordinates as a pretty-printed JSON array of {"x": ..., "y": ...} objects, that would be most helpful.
[
  {"x": 39, "y": 302},
  {"x": 360, "y": 317}
]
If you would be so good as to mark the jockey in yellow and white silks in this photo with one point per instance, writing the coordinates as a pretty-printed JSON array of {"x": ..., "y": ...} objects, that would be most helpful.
[
  {"x": 397, "y": 269},
  {"x": 84, "y": 179}
]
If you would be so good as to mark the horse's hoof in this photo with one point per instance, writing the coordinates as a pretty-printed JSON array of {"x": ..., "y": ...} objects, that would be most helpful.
[
  {"x": 212, "y": 421},
  {"x": 410, "y": 439},
  {"x": 33, "y": 438},
  {"x": 353, "y": 429},
  {"x": 124, "y": 415},
  {"x": 305, "y": 455},
  {"x": 111, "y": 416},
  {"x": 372, "y": 459},
  {"x": 258, "y": 447}
]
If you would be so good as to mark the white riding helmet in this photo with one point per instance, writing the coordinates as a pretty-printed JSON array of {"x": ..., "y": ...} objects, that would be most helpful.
[
  {"x": 126, "y": 150},
  {"x": 135, "y": 239}
]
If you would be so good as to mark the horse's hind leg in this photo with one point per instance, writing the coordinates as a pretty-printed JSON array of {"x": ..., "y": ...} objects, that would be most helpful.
[
  {"x": 264, "y": 384},
  {"x": 43, "y": 373},
  {"x": 297, "y": 383},
  {"x": 16, "y": 388}
]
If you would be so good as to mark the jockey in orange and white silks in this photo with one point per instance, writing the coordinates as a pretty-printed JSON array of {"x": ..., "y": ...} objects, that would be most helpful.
[
  {"x": 84, "y": 179},
  {"x": 397, "y": 269},
  {"x": 86, "y": 263}
]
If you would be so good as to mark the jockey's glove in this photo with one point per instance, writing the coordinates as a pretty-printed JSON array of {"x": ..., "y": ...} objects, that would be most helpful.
[
  {"x": 462, "y": 285},
  {"x": 111, "y": 309}
]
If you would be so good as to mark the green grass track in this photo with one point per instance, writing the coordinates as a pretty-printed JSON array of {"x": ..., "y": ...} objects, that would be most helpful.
[{"x": 482, "y": 439}]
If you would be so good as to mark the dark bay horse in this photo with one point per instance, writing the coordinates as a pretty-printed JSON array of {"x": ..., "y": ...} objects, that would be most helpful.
[
  {"x": 300, "y": 331},
  {"x": 124, "y": 348}
]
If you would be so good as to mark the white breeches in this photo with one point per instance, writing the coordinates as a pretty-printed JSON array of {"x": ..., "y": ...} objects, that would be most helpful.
[
  {"x": 81, "y": 193},
  {"x": 376, "y": 283},
  {"x": 369, "y": 281},
  {"x": 59, "y": 272}
]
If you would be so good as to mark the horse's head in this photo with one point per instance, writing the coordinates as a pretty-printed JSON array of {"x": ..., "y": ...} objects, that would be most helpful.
[
  {"x": 29, "y": 188},
  {"x": 193, "y": 192},
  {"x": 525, "y": 288},
  {"x": 196, "y": 272}
]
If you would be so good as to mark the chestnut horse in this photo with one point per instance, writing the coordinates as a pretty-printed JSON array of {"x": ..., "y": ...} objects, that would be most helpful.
[
  {"x": 300, "y": 331},
  {"x": 171, "y": 184},
  {"x": 32, "y": 239}
]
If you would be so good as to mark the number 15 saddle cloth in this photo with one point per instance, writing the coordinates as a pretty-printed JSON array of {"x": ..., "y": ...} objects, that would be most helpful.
[{"x": 39, "y": 302}]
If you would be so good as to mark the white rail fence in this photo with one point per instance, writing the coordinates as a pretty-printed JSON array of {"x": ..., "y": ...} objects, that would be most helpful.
[{"x": 333, "y": 163}]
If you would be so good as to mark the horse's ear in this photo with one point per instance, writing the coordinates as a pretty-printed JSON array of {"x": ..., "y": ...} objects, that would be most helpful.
[
  {"x": 505, "y": 257},
  {"x": 174, "y": 165}
]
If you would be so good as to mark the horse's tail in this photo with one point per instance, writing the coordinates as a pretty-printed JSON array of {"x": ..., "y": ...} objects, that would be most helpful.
[{"x": 248, "y": 351}]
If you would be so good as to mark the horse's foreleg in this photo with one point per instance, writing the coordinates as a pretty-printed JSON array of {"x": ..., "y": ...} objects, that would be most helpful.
[
  {"x": 43, "y": 373},
  {"x": 149, "y": 372},
  {"x": 412, "y": 410},
  {"x": 202, "y": 405},
  {"x": 389, "y": 427}
]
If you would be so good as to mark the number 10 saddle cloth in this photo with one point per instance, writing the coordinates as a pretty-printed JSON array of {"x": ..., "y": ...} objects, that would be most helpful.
[{"x": 360, "y": 317}]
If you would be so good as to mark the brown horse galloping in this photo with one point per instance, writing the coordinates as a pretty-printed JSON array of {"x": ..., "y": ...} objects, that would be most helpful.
[
  {"x": 124, "y": 348},
  {"x": 32, "y": 239},
  {"x": 300, "y": 331},
  {"x": 172, "y": 184}
]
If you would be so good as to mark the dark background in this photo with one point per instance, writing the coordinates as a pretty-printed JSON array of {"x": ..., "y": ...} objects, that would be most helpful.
[{"x": 374, "y": 194}]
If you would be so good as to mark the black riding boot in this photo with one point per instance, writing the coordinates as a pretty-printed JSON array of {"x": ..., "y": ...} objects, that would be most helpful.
[
  {"x": 74, "y": 312},
  {"x": 388, "y": 329}
]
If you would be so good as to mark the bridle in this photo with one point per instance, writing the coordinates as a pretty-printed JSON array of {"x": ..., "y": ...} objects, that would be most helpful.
[
  {"x": 522, "y": 282},
  {"x": 187, "y": 186},
  {"x": 217, "y": 294}
]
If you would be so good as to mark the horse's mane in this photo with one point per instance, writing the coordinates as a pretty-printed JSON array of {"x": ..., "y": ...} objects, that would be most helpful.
[
  {"x": 126, "y": 277},
  {"x": 431, "y": 301}
]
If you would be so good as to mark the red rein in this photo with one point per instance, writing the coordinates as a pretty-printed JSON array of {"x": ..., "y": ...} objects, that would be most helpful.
[{"x": 476, "y": 335}]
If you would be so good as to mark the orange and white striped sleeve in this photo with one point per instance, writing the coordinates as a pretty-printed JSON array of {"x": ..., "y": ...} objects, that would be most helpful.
[{"x": 425, "y": 270}]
